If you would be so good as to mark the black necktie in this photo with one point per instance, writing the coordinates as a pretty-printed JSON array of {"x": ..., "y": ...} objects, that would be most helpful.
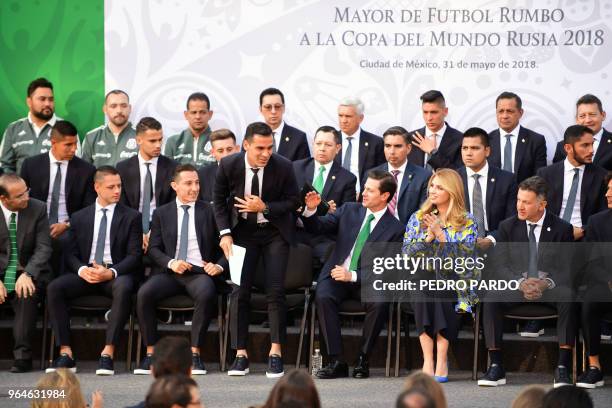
[
  {"x": 147, "y": 197},
  {"x": 55, "y": 195},
  {"x": 532, "y": 271},
  {"x": 100, "y": 243},
  {"x": 252, "y": 216},
  {"x": 478, "y": 209}
]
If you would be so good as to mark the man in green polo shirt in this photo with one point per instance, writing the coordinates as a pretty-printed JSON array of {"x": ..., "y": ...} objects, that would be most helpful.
[
  {"x": 108, "y": 144},
  {"x": 30, "y": 136},
  {"x": 192, "y": 145}
]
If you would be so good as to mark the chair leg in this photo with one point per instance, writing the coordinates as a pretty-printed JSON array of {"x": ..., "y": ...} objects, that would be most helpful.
[
  {"x": 302, "y": 330},
  {"x": 139, "y": 346},
  {"x": 574, "y": 363},
  {"x": 226, "y": 334},
  {"x": 398, "y": 335},
  {"x": 389, "y": 335},
  {"x": 220, "y": 330},
  {"x": 130, "y": 342},
  {"x": 313, "y": 319},
  {"x": 51, "y": 348},
  {"x": 43, "y": 351},
  {"x": 476, "y": 341}
]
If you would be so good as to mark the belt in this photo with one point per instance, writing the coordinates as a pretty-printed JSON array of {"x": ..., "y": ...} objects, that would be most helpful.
[{"x": 106, "y": 265}]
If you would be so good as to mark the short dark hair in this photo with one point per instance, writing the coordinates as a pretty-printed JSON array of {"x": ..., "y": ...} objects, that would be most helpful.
[
  {"x": 478, "y": 132},
  {"x": 63, "y": 128},
  {"x": 433, "y": 96},
  {"x": 222, "y": 134},
  {"x": 295, "y": 389},
  {"x": 535, "y": 184},
  {"x": 387, "y": 182},
  {"x": 398, "y": 131},
  {"x": 271, "y": 91},
  {"x": 198, "y": 96},
  {"x": 510, "y": 95},
  {"x": 171, "y": 356},
  {"x": 181, "y": 168},
  {"x": 170, "y": 390},
  {"x": 329, "y": 129},
  {"x": 429, "y": 402},
  {"x": 574, "y": 133},
  {"x": 147, "y": 123},
  {"x": 116, "y": 92},
  {"x": 589, "y": 99},
  {"x": 105, "y": 171},
  {"x": 5, "y": 180},
  {"x": 257, "y": 128},
  {"x": 39, "y": 83},
  {"x": 567, "y": 397}
]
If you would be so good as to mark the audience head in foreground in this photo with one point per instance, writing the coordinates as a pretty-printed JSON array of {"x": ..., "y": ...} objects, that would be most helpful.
[
  {"x": 568, "y": 396},
  {"x": 63, "y": 380},
  {"x": 428, "y": 386},
  {"x": 173, "y": 391},
  {"x": 172, "y": 355},
  {"x": 530, "y": 397},
  {"x": 294, "y": 389}
]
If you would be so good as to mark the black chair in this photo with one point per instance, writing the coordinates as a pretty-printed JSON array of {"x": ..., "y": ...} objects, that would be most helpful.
[
  {"x": 93, "y": 303},
  {"x": 525, "y": 311},
  {"x": 298, "y": 281}
]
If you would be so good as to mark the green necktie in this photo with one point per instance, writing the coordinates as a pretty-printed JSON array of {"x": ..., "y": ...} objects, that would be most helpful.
[
  {"x": 318, "y": 183},
  {"x": 361, "y": 240},
  {"x": 11, "y": 270}
]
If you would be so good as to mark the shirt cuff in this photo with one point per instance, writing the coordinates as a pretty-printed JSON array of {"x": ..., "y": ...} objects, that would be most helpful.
[
  {"x": 492, "y": 239},
  {"x": 170, "y": 263},
  {"x": 220, "y": 267},
  {"x": 225, "y": 232},
  {"x": 80, "y": 270},
  {"x": 353, "y": 276},
  {"x": 114, "y": 271},
  {"x": 551, "y": 283},
  {"x": 309, "y": 213}
]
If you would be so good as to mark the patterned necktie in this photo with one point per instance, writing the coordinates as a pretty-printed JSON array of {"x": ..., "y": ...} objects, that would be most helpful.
[
  {"x": 348, "y": 153},
  {"x": 252, "y": 216},
  {"x": 361, "y": 240},
  {"x": 99, "y": 254},
  {"x": 274, "y": 142},
  {"x": 532, "y": 271},
  {"x": 182, "y": 253},
  {"x": 55, "y": 195},
  {"x": 147, "y": 196},
  {"x": 11, "y": 269},
  {"x": 571, "y": 198},
  {"x": 393, "y": 203},
  {"x": 318, "y": 183},
  {"x": 508, "y": 154},
  {"x": 434, "y": 137},
  {"x": 478, "y": 209}
]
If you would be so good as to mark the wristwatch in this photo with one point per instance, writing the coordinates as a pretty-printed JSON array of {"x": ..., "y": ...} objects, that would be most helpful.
[
  {"x": 434, "y": 151},
  {"x": 266, "y": 210}
]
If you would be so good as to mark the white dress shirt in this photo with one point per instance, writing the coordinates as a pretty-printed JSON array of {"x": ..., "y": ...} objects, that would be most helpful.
[
  {"x": 277, "y": 133},
  {"x": 7, "y": 215},
  {"x": 37, "y": 130},
  {"x": 568, "y": 175},
  {"x": 439, "y": 134},
  {"x": 502, "y": 143},
  {"x": 248, "y": 178},
  {"x": 107, "y": 258},
  {"x": 62, "y": 212},
  {"x": 354, "y": 153},
  {"x": 400, "y": 178},
  {"x": 597, "y": 139},
  {"x": 194, "y": 256},
  {"x": 143, "y": 174}
]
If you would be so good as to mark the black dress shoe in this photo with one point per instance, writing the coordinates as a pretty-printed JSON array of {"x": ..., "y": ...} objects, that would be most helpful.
[
  {"x": 335, "y": 369},
  {"x": 362, "y": 368},
  {"x": 21, "y": 366}
]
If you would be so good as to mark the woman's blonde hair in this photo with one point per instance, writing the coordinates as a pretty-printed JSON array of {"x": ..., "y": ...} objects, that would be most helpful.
[
  {"x": 530, "y": 397},
  {"x": 426, "y": 384},
  {"x": 451, "y": 182},
  {"x": 62, "y": 380}
]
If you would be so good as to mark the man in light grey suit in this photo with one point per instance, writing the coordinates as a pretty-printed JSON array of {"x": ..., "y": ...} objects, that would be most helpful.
[{"x": 23, "y": 262}]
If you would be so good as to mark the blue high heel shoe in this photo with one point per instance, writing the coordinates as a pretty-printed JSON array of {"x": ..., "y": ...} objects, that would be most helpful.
[{"x": 441, "y": 379}]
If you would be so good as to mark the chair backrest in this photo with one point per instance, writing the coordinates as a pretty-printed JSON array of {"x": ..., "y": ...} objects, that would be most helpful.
[{"x": 299, "y": 269}]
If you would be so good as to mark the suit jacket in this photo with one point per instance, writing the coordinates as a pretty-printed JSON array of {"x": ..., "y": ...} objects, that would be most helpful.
[
  {"x": 130, "y": 177},
  {"x": 598, "y": 235},
  {"x": 513, "y": 260},
  {"x": 125, "y": 239},
  {"x": 371, "y": 153},
  {"x": 413, "y": 191},
  {"x": 79, "y": 189},
  {"x": 500, "y": 202},
  {"x": 207, "y": 175},
  {"x": 164, "y": 235},
  {"x": 346, "y": 223},
  {"x": 603, "y": 157},
  {"x": 530, "y": 154},
  {"x": 279, "y": 191},
  {"x": 293, "y": 144},
  {"x": 33, "y": 241},
  {"x": 339, "y": 186},
  {"x": 592, "y": 190},
  {"x": 449, "y": 151}
]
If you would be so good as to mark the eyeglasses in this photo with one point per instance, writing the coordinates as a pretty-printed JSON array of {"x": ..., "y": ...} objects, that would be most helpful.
[{"x": 270, "y": 108}]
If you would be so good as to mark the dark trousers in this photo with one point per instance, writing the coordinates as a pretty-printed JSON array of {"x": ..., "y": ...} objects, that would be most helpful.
[
  {"x": 198, "y": 286},
  {"x": 70, "y": 286},
  {"x": 26, "y": 311},
  {"x": 267, "y": 243},
  {"x": 592, "y": 312},
  {"x": 493, "y": 319},
  {"x": 330, "y": 294}
]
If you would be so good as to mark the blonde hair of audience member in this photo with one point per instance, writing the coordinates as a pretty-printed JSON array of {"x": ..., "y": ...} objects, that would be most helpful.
[
  {"x": 426, "y": 383},
  {"x": 530, "y": 397},
  {"x": 296, "y": 387},
  {"x": 64, "y": 380},
  {"x": 450, "y": 181}
]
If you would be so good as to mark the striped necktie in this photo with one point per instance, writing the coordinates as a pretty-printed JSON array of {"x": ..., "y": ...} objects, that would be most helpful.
[
  {"x": 393, "y": 203},
  {"x": 11, "y": 270}
]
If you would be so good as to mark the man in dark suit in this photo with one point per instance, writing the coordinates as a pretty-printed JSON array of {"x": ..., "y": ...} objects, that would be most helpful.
[
  {"x": 490, "y": 193},
  {"x": 23, "y": 262},
  {"x": 254, "y": 200},
  {"x": 103, "y": 258},
  {"x": 540, "y": 270},
  {"x": 223, "y": 142},
  {"x": 590, "y": 113},
  {"x": 146, "y": 177},
  {"x": 411, "y": 179},
  {"x": 515, "y": 148},
  {"x": 438, "y": 144},
  {"x": 185, "y": 246},
  {"x": 361, "y": 150},
  {"x": 65, "y": 191},
  {"x": 289, "y": 142},
  {"x": 335, "y": 184},
  {"x": 341, "y": 276}
]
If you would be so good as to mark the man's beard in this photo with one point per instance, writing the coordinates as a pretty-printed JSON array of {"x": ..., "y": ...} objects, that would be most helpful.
[
  {"x": 119, "y": 121},
  {"x": 43, "y": 116}
]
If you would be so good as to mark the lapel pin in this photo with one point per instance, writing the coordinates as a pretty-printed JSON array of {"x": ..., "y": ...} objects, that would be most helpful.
[
  {"x": 366, "y": 143},
  {"x": 609, "y": 141},
  {"x": 548, "y": 229},
  {"x": 492, "y": 180},
  {"x": 410, "y": 176},
  {"x": 286, "y": 139},
  {"x": 333, "y": 177},
  {"x": 523, "y": 140}
]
